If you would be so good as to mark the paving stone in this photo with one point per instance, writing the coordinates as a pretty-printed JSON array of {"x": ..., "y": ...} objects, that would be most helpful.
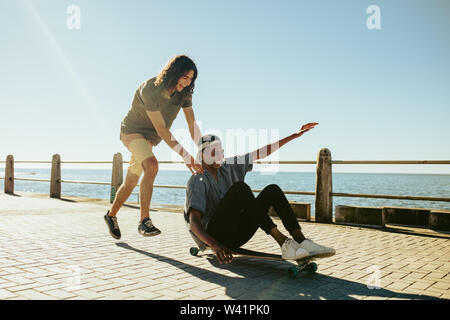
[
  {"x": 60, "y": 294},
  {"x": 5, "y": 294},
  {"x": 35, "y": 295},
  {"x": 422, "y": 285}
]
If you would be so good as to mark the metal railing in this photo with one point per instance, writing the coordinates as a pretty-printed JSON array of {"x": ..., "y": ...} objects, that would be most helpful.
[{"x": 323, "y": 164}]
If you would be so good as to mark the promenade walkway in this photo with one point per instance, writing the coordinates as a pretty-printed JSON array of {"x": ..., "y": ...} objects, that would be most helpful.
[{"x": 60, "y": 249}]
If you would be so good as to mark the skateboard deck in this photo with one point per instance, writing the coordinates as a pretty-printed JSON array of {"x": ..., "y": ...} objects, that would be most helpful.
[{"x": 303, "y": 264}]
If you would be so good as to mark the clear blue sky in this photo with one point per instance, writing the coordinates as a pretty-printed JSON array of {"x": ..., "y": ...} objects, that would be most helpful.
[{"x": 377, "y": 94}]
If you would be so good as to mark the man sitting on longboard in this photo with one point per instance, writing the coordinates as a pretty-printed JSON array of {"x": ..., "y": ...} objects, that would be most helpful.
[{"x": 223, "y": 213}]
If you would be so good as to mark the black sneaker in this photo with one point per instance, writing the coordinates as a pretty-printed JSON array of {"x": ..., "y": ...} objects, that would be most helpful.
[
  {"x": 113, "y": 226},
  {"x": 147, "y": 229}
]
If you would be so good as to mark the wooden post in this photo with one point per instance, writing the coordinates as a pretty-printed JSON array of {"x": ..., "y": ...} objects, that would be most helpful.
[
  {"x": 117, "y": 175},
  {"x": 324, "y": 199},
  {"x": 55, "y": 179},
  {"x": 9, "y": 175}
]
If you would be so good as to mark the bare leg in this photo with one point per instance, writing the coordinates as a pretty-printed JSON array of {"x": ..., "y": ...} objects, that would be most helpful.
[
  {"x": 123, "y": 193},
  {"x": 278, "y": 236},
  {"x": 298, "y": 236},
  {"x": 150, "y": 166}
]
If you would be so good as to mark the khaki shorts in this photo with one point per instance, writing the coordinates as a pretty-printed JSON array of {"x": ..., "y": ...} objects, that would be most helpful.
[{"x": 140, "y": 149}]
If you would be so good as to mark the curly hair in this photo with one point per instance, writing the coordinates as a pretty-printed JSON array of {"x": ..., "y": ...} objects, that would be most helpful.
[{"x": 174, "y": 70}]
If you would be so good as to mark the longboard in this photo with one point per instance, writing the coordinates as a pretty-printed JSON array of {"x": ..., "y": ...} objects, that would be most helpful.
[{"x": 303, "y": 264}]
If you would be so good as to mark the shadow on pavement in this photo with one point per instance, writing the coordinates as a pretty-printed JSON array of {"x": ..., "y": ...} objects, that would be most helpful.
[
  {"x": 257, "y": 279},
  {"x": 68, "y": 200},
  {"x": 13, "y": 195}
]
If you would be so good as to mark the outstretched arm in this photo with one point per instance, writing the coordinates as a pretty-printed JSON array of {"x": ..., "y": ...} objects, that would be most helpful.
[{"x": 271, "y": 148}]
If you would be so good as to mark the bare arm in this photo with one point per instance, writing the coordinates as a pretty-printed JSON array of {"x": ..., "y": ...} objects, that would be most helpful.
[
  {"x": 271, "y": 148},
  {"x": 194, "y": 129},
  {"x": 223, "y": 254},
  {"x": 160, "y": 126}
]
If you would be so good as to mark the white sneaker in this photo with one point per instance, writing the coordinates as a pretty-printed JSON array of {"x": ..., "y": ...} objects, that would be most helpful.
[
  {"x": 291, "y": 250},
  {"x": 315, "y": 249}
]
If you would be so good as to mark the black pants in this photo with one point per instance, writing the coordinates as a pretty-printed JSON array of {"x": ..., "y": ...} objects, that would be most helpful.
[{"x": 240, "y": 214}]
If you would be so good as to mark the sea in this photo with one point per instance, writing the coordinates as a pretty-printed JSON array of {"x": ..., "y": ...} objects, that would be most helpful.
[{"x": 430, "y": 185}]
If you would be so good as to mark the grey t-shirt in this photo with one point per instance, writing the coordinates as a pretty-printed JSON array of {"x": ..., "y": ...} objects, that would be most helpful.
[
  {"x": 204, "y": 192},
  {"x": 153, "y": 98}
]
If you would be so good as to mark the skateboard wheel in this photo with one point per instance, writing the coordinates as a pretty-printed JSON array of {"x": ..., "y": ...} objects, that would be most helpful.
[
  {"x": 312, "y": 267},
  {"x": 193, "y": 251},
  {"x": 293, "y": 272}
]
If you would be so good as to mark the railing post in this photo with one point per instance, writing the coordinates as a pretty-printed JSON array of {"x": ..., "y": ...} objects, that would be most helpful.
[
  {"x": 55, "y": 179},
  {"x": 9, "y": 175},
  {"x": 117, "y": 175},
  {"x": 324, "y": 199}
]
